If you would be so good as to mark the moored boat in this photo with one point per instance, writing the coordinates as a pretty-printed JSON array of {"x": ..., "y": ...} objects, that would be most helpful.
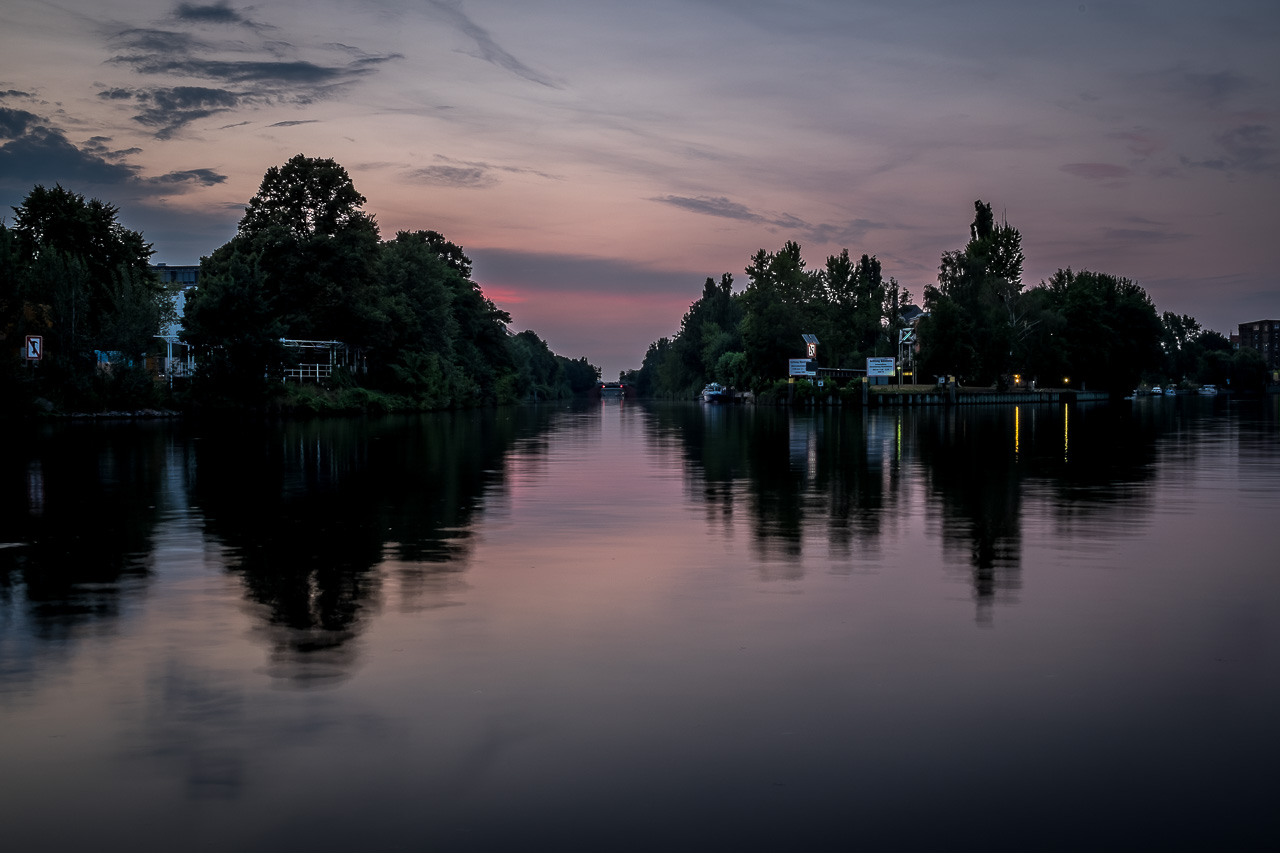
[{"x": 715, "y": 393}]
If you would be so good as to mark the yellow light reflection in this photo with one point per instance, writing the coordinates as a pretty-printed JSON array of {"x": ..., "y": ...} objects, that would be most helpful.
[
  {"x": 1066, "y": 430},
  {"x": 1017, "y": 428}
]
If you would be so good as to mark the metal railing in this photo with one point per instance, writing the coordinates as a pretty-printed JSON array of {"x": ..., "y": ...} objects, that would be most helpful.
[{"x": 308, "y": 371}]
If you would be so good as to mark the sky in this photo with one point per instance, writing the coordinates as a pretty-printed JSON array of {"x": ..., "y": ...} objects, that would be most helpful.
[{"x": 599, "y": 159}]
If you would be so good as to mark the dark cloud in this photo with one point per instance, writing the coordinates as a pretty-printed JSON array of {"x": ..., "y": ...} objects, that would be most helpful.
[
  {"x": 1247, "y": 148},
  {"x": 1210, "y": 88},
  {"x": 294, "y": 73},
  {"x": 271, "y": 77},
  {"x": 200, "y": 177},
  {"x": 98, "y": 145},
  {"x": 218, "y": 13},
  {"x": 169, "y": 110},
  {"x": 454, "y": 176},
  {"x": 489, "y": 50},
  {"x": 293, "y": 123},
  {"x": 151, "y": 42},
  {"x": 1097, "y": 171},
  {"x": 169, "y": 123},
  {"x": 826, "y": 233},
  {"x": 14, "y": 123},
  {"x": 190, "y": 97},
  {"x": 44, "y": 155},
  {"x": 1251, "y": 147},
  {"x": 712, "y": 206},
  {"x": 14, "y": 93},
  {"x": 39, "y": 154},
  {"x": 494, "y": 167}
]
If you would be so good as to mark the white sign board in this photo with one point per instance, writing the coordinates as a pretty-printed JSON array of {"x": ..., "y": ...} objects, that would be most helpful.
[
  {"x": 799, "y": 367},
  {"x": 880, "y": 366}
]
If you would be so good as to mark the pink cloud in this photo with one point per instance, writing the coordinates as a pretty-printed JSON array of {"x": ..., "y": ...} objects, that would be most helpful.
[{"x": 505, "y": 295}]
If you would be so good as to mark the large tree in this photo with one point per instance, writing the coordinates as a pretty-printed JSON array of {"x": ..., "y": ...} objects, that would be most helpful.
[
  {"x": 1111, "y": 332},
  {"x": 305, "y": 229},
  {"x": 852, "y": 326},
  {"x": 983, "y": 281},
  {"x": 782, "y": 302},
  {"x": 72, "y": 273}
]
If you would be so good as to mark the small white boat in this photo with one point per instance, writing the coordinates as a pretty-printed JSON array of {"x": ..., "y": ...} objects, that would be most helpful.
[
  {"x": 715, "y": 393},
  {"x": 1208, "y": 390},
  {"x": 1171, "y": 391},
  {"x": 1157, "y": 391}
]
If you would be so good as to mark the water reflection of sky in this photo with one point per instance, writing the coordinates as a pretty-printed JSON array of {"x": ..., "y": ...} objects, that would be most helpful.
[{"x": 638, "y": 623}]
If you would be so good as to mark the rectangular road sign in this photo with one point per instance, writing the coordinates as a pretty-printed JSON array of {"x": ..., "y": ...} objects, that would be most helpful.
[
  {"x": 880, "y": 366},
  {"x": 34, "y": 350},
  {"x": 800, "y": 367}
]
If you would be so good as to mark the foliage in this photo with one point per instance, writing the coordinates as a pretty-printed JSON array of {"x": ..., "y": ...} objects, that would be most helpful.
[
  {"x": 316, "y": 248},
  {"x": 307, "y": 263},
  {"x": 71, "y": 273},
  {"x": 745, "y": 340},
  {"x": 979, "y": 289},
  {"x": 1113, "y": 333},
  {"x": 1091, "y": 329},
  {"x": 780, "y": 301},
  {"x": 232, "y": 322}
]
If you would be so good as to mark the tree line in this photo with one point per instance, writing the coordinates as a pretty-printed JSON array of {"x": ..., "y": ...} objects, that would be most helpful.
[
  {"x": 306, "y": 263},
  {"x": 980, "y": 324}
]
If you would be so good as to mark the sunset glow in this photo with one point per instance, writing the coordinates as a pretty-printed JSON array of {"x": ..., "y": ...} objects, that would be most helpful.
[{"x": 599, "y": 160}]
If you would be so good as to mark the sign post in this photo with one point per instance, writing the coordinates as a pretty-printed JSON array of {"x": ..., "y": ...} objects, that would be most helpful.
[
  {"x": 881, "y": 367},
  {"x": 33, "y": 350},
  {"x": 906, "y": 348},
  {"x": 800, "y": 367}
]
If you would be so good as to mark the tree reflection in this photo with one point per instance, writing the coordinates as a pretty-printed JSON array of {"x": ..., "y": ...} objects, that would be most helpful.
[
  {"x": 796, "y": 474},
  {"x": 970, "y": 467},
  {"x": 849, "y": 474},
  {"x": 78, "y": 509},
  {"x": 309, "y": 510}
]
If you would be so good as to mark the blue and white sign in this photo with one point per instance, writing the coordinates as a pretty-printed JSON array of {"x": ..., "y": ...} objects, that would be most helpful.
[
  {"x": 881, "y": 366},
  {"x": 800, "y": 367}
]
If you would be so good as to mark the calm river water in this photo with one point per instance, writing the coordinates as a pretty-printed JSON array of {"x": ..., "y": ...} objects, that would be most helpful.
[{"x": 621, "y": 626}]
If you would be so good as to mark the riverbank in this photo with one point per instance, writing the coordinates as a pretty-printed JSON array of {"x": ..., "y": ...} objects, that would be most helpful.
[{"x": 805, "y": 394}]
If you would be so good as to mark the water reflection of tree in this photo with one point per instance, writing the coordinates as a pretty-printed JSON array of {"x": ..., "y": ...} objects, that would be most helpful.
[
  {"x": 970, "y": 468},
  {"x": 308, "y": 510},
  {"x": 78, "y": 509},
  {"x": 982, "y": 465},
  {"x": 794, "y": 473},
  {"x": 848, "y": 472},
  {"x": 1097, "y": 462},
  {"x": 859, "y": 471}
]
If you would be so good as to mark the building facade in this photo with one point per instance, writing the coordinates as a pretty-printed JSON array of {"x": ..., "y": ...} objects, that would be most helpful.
[
  {"x": 1263, "y": 336},
  {"x": 177, "y": 358}
]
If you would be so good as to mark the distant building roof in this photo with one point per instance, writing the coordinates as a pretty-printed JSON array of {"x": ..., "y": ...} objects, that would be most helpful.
[{"x": 911, "y": 313}]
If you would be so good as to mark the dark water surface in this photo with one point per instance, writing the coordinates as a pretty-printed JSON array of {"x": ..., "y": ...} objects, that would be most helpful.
[{"x": 646, "y": 627}]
